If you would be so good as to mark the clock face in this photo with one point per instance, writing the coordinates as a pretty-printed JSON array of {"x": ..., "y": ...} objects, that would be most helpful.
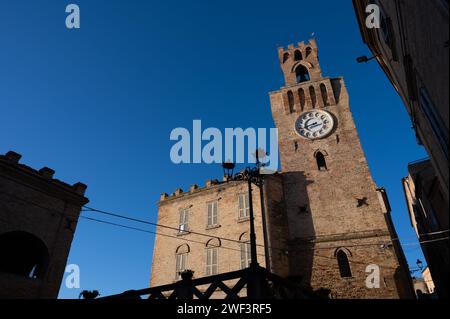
[{"x": 314, "y": 124}]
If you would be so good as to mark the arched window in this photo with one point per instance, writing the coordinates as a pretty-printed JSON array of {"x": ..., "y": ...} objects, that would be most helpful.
[
  {"x": 298, "y": 56},
  {"x": 291, "y": 102},
  {"x": 308, "y": 51},
  {"x": 344, "y": 265},
  {"x": 312, "y": 94},
  {"x": 245, "y": 251},
  {"x": 302, "y": 74},
  {"x": 323, "y": 91},
  {"x": 301, "y": 96},
  {"x": 285, "y": 57},
  {"x": 212, "y": 255},
  {"x": 181, "y": 256},
  {"x": 321, "y": 162},
  {"x": 23, "y": 254}
]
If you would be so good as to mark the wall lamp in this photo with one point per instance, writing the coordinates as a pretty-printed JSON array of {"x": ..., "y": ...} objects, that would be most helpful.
[{"x": 365, "y": 59}]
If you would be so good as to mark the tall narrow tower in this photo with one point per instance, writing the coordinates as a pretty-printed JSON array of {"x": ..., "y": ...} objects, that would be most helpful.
[{"x": 340, "y": 232}]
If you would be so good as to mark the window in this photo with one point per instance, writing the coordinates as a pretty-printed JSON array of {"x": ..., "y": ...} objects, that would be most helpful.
[
  {"x": 244, "y": 207},
  {"x": 388, "y": 34},
  {"x": 302, "y": 74},
  {"x": 321, "y": 162},
  {"x": 285, "y": 57},
  {"x": 212, "y": 214},
  {"x": 184, "y": 218},
  {"x": 23, "y": 254},
  {"x": 298, "y": 56},
  {"x": 291, "y": 102},
  {"x": 181, "y": 264},
  {"x": 245, "y": 255},
  {"x": 435, "y": 120},
  {"x": 344, "y": 265},
  {"x": 211, "y": 261},
  {"x": 323, "y": 91},
  {"x": 301, "y": 96},
  {"x": 312, "y": 93},
  {"x": 411, "y": 81},
  {"x": 181, "y": 256},
  {"x": 245, "y": 251},
  {"x": 308, "y": 51}
]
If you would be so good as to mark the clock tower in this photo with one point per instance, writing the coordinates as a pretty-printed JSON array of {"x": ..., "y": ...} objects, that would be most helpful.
[{"x": 339, "y": 231}]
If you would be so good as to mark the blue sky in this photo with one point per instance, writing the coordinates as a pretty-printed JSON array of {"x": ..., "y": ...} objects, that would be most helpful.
[{"x": 98, "y": 104}]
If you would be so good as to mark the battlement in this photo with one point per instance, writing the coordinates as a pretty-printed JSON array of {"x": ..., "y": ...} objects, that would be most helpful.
[
  {"x": 301, "y": 46},
  {"x": 193, "y": 189},
  {"x": 300, "y": 63},
  {"x": 12, "y": 159}
]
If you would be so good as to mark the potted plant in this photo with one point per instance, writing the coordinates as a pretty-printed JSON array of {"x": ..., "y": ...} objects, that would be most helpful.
[{"x": 187, "y": 274}]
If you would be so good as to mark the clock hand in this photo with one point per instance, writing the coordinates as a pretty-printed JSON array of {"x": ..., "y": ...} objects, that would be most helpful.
[{"x": 312, "y": 125}]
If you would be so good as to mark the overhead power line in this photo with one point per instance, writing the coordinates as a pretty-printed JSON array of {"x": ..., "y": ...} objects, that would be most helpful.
[
  {"x": 90, "y": 209},
  {"x": 154, "y": 233}
]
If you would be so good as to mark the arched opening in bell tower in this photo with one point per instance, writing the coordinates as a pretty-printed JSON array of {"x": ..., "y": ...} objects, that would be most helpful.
[
  {"x": 302, "y": 74},
  {"x": 23, "y": 254}
]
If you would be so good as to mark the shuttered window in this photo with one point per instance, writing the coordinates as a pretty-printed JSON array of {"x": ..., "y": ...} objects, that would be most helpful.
[
  {"x": 211, "y": 261},
  {"x": 184, "y": 221},
  {"x": 245, "y": 255},
  {"x": 244, "y": 207},
  {"x": 213, "y": 214},
  {"x": 180, "y": 265}
]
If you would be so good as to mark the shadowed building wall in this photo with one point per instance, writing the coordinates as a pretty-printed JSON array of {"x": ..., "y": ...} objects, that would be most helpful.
[{"x": 38, "y": 218}]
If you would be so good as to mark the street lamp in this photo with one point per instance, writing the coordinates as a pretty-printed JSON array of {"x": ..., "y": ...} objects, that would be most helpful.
[
  {"x": 256, "y": 284},
  {"x": 252, "y": 176},
  {"x": 228, "y": 169}
]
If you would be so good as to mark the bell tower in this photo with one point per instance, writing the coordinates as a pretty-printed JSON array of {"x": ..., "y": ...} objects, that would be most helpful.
[{"x": 338, "y": 219}]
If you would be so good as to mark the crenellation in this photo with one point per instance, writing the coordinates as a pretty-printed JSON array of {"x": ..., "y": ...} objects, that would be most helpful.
[
  {"x": 13, "y": 157},
  {"x": 47, "y": 173}
]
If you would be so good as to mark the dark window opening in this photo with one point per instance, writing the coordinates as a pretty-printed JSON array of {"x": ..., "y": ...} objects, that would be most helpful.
[
  {"x": 321, "y": 162},
  {"x": 323, "y": 91},
  {"x": 435, "y": 120},
  {"x": 308, "y": 51},
  {"x": 387, "y": 31},
  {"x": 285, "y": 57},
  {"x": 312, "y": 93},
  {"x": 301, "y": 95},
  {"x": 23, "y": 254},
  {"x": 302, "y": 74},
  {"x": 291, "y": 102},
  {"x": 298, "y": 56},
  {"x": 344, "y": 265}
]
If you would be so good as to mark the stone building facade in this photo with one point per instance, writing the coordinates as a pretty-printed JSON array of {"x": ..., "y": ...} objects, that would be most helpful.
[
  {"x": 38, "y": 218},
  {"x": 411, "y": 47},
  {"x": 339, "y": 220},
  {"x": 219, "y": 210},
  {"x": 429, "y": 217},
  {"x": 325, "y": 224},
  {"x": 227, "y": 223}
]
